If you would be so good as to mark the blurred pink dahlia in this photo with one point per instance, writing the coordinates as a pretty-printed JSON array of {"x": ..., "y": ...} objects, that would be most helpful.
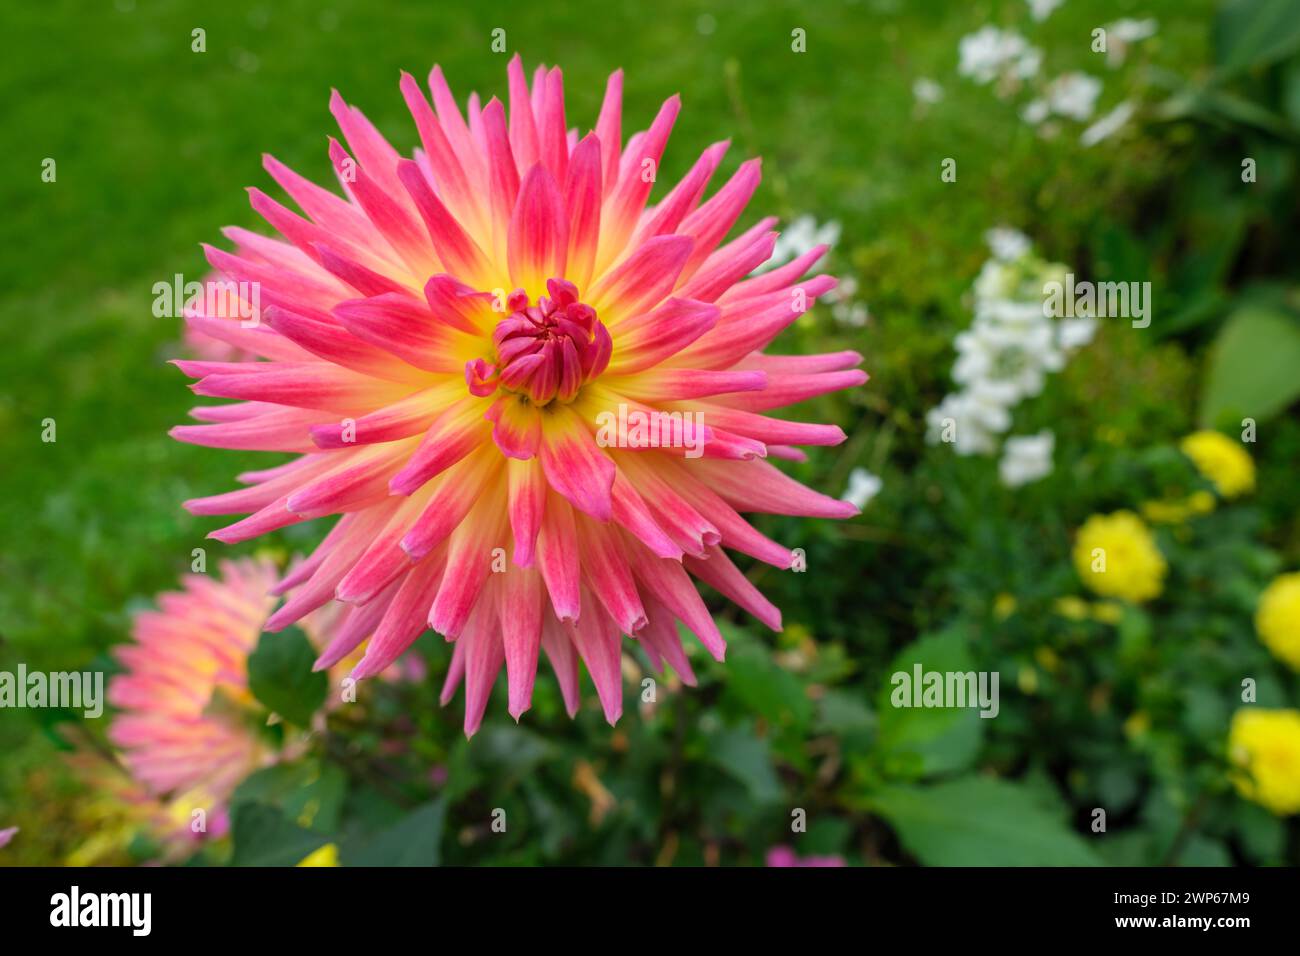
[
  {"x": 184, "y": 706},
  {"x": 445, "y": 348}
]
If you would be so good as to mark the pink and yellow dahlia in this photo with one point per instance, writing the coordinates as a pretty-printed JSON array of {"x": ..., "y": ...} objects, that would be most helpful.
[
  {"x": 444, "y": 347},
  {"x": 184, "y": 724}
]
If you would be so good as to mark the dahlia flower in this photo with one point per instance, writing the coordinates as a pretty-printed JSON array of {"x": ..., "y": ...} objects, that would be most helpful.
[
  {"x": 440, "y": 347},
  {"x": 181, "y": 697}
]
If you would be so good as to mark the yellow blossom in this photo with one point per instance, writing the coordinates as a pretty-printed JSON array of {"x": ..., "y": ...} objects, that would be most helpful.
[
  {"x": 1222, "y": 461},
  {"x": 328, "y": 855},
  {"x": 1071, "y": 607},
  {"x": 1108, "y": 612},
  {"x": 1265, "y": 746},
  {"x": 1116, "y": 556},
  {"x": 1277, "y": 619},
  {"x": 1004, "y": 605}
]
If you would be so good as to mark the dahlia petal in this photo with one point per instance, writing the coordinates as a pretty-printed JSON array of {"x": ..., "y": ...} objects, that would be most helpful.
[
  {"x": 608, "y": 576},
  {"x": 557, "y": 557},
  {"x": 730, "y": 263},
  {"x": 802, "y": 364},
  {"x": 503, "y": 184},
  {"x": 281, "y": 430},
  {"x": 383, "y": 561},
  {"x": 517, "y": 427},
  {"x": 683, "y": 197},
  {"x": 450, "y": 178},
  {"x": 539, "y": 232},
  {"x": 458, "y": 307},
  {"x": 672, "y": 586},
  {"x": 303, "y": 385},
  {"x": 402, "y": 419},
  {"x": 780, "y": 278},
  {"x": 662, "y": 333},
  {"x": 523, "y": 127},
  {"x": 484, "y": 656},
  {"x": 660, "y": 638},
  {"x": 783, "y": 390},
  {"x": 527, "y": 500},
  {"x": 255, "y": 339},
  {"x": 757, "y": 486},
  {"x": 519, "y": 608},
  {"x": 552, "y": 128},
  {"x": 457, "y": 251},
  {"x": 469, "y": 561},
  {"x": 624, "y": 206},
  {"x": 335, "y": 344},
  {"x": 642, "y": 281},
  {"x": 597, "y": 642},
  {"x": 564, "y": 661},
  {"x": 357, "y": 624},
  {"x": 456, "y": 432},
  {"x": 451, "y": 501},
  {"x": 320, "y": 588},
  {"x": 772, "y": 430},
  {"x": 404, "y": 619},
  {"x": 575, "y": 465},
  {"x": 389, "y": 215},
  {"x": 680, "y": 384},
  {"x": 633, "y": 515},
  {"x": 609, "y": 130},
  {"x": 352, "y": 273},
  {"x": 337, "y": 216},
  {"x": 582, "y": 193},
  {"x": 717, "y": 571},
  {"x": 404, "y": 327},
  {"x": 376, "y": 154},
  {"x": 713, "y": 220}
]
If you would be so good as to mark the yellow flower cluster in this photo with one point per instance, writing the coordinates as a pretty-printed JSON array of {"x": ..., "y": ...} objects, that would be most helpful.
[
  {"x": 1116, "y": 556},
  {"x": 1277, "y": 619},
  {"x": 1178, "y": 511},
  {"x": 1265, "y": 746},
  {"x": 1222, "y": 461}
]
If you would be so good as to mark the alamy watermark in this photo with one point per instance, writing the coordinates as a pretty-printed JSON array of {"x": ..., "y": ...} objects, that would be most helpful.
[
  {"x": 637, "y": 428},
  {"x": 72, "y": 690},
  {"x": 922, "y": 688},
  {"x": 1102, "y": 300},
  {"x": 219, "y": 298}
]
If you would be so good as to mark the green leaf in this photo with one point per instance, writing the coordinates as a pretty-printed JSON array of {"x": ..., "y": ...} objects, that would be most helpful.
[
  {"x": 746, "y": 758},
  {"x": 980, "y": 821},
  {"x": 281, "y": 678},
  {"x": 923, "y": 741},
  {"x": 1253, "y": 367},
  {"x": 264, "y": 836},
  {"x": 1249, "y": 34},
  {"x": 765, "y": 688},
  {"x": 415, "y": 840},
  {"x": 309, "y": 793}
]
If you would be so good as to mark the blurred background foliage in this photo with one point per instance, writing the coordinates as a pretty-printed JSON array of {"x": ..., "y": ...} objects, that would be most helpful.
[{"x": 1125, "y": 708}]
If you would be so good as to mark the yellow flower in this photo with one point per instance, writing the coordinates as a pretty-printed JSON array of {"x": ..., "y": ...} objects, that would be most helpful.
[
  {"x": 1277, "y": 619},
  {"x": 1178, "y": 510},
  {"x": 1138, "y": 724},
  {"x": 1265, "y": 745},
  {"x": 1004, "y": 605},
  {"x": 1071, "y": 607},
  {"x": 328, "y": 855},
  {"x": 1108, "y": 612},
  {"x": 1116, "y": 556},
  {"x": 1222, "y": 461}
]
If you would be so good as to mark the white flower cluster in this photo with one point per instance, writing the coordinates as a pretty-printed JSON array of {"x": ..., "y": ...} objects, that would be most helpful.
[
  {"x": 991, "y": 53},
  {"x": 1005, "y": 357}
]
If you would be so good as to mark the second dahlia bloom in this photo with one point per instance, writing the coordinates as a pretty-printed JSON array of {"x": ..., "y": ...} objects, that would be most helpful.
[
  {"x": 184, "y": 725},
  {"x": 441, "y": 346}
]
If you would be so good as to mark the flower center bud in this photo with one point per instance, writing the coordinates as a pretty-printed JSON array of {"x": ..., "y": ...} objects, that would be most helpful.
[{"x": 545, "y": 351}]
